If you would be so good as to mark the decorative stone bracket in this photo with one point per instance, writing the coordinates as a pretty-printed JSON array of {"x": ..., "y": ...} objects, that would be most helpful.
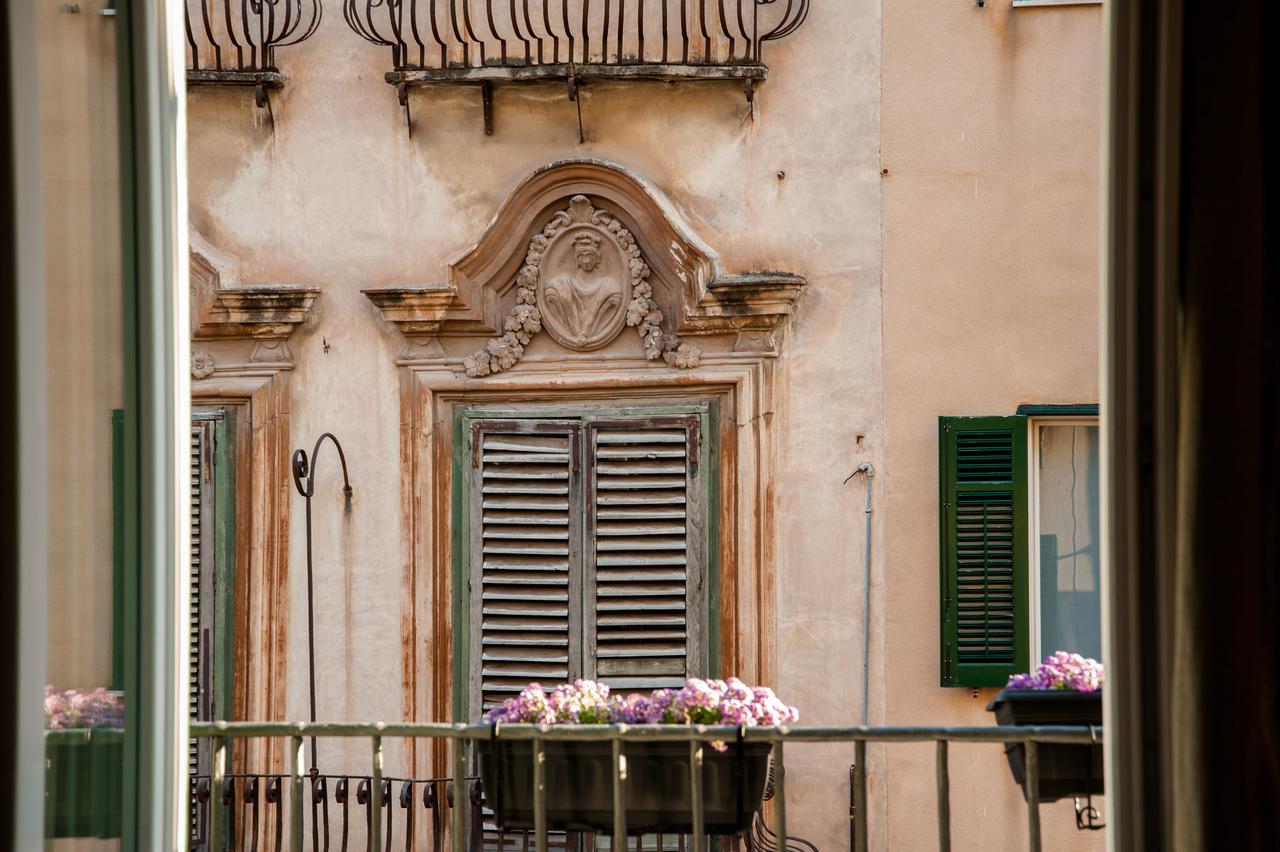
[
  {"x": 266, "y": 314},
  {"x": 588, "y": 246}
]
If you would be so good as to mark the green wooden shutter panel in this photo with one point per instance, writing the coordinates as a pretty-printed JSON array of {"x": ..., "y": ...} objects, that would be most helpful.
[
  {"x": 984, "y": 530},
  {"x": 642, "y": 563},
  {"x": 522, "y": 496}
]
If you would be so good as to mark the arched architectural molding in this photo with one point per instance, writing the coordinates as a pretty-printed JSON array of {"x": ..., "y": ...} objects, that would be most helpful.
[
  {"x": 736, "y": 322},
  {"x": 482, "y": 283}
]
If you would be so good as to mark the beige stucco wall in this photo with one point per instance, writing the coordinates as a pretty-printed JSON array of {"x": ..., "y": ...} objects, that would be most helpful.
[
  {"x": 988, "y": 298},
  {"x": 991, "y": 142},
  {"x": 337, "y": 195}
]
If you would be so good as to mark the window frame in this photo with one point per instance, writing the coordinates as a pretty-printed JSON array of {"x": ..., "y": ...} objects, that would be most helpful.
[
  {"x": 1070, "y": 416},
  {"x": 585, "y": 412}
]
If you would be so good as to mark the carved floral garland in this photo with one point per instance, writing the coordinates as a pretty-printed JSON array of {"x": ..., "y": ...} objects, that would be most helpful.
[{"x": 525, "y": 320}]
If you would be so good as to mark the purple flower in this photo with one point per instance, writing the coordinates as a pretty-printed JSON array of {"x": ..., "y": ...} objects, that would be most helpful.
[
  {"x": 74, "y": 708},
  {"x": 698, "y": 702},
  {"x": 1061, "y": 670}
]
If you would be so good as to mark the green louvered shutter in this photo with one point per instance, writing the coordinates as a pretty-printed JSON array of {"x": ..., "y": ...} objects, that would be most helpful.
[
  {"x": 645, "y": 552},
  {"x": 526, "y": 552},
  {"x": 984, "y": 540}
]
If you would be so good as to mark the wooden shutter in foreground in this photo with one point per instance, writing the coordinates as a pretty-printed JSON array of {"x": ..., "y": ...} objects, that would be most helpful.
[
  {"x": 645, "y": 551},
  {"x": 525, "y": 551},
  {"x": 984, "y": 546}
]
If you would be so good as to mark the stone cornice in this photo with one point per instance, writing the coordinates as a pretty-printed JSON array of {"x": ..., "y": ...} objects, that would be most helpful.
[
  {"x": 416, "y": 311},
  {"x": 262, "y": 312}
]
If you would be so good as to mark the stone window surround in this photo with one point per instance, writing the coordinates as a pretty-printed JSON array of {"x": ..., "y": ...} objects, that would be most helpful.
[{"x": 742, "y": 315}]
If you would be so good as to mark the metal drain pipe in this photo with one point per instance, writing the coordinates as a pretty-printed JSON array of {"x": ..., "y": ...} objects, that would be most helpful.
[{"x": 869, "y": 471}]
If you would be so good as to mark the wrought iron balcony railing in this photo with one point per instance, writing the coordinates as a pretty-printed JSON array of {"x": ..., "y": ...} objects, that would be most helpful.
[
  {"x": 487, "y": 41},
  {"x": 458, "y": 828},
  {"x": 235, "y": 43}
]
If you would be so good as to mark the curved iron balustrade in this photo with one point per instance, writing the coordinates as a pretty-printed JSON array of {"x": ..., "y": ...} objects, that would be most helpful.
[
  {"x": 235, "y": 41},
  {"x": 445, "y": 40}
]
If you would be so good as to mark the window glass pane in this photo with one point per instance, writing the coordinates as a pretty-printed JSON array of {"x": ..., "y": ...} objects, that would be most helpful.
[
  {"x": 1070, "y": 592},
  {"x": 85, "y": 471}
]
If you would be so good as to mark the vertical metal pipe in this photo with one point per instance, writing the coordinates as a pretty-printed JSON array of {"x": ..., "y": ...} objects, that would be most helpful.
[
  {"x": 780, "y": 793},
  {"x": 457, "y": 815},
  {"x": 1033, "y": 795},
  {"x": 944, "y": 799},
  {"x": 870, "y": 472},
  {"x": 540, "y": 795},
  {"x": 619, "y": 799},
  {"x": 295, "y": 792},
  {"x": 215, "y": 794},
  {"x": 375, "y": 791},
  {"x": 860, "y": 795},
  {"x": 695, "y": 794}
]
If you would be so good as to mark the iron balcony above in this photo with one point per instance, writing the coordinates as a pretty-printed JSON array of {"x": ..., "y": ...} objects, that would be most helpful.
[
  {"x": 235, "y": 44},
  {"x": 487, "y": 41}
]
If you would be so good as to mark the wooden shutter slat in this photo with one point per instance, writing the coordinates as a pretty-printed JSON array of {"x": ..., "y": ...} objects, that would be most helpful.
[{"x": 984, "y": 549}]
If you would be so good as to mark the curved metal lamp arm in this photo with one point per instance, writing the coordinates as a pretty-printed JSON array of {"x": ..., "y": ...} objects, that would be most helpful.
[{"x": 304, "y": 468}]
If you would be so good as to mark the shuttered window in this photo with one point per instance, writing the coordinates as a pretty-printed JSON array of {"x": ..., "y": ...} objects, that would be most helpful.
[
  {"x": 211, "y": 638},
  {"x": 586, "y": 552},
  {"x": 984, "y": 535}
]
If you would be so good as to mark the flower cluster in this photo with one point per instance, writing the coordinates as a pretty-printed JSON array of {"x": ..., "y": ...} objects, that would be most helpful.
[
  {"x": 698, "y": 702},
  {"x": 74, "y": 708},
  {"x": 1061, "y": 670}
]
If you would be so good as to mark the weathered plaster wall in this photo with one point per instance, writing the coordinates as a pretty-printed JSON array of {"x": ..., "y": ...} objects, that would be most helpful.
[
  {"x": 991, "y": 145},
  {"x": 337, "y": 195}
]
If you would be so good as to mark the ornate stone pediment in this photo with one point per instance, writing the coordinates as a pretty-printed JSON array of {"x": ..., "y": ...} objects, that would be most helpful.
[
  {"x": 224, "y": 309},
  {"x": 584, "y": 249}
]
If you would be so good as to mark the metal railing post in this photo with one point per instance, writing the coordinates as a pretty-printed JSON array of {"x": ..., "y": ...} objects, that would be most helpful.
[
  {"x": 1033, "y": 795},
  {"x": 375, "y": 791},
  {"x": 457, "y": 815},
  {"x": 695, "y": 793},
  {"x": 540, "y": 795},
  {"x": 860, "y": 795},
  {"x": 295, "y": 791},
  {"x": 944, "y": 799},
  {"x": 215, "y": 794},
  {"x": 780, "y": 793},
  {"x": 619, "y": 799}
]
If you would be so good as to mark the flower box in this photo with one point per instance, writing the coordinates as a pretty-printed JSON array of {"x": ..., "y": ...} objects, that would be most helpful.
[
  {"x": 83, "y": 782},
  {"x": 1065, "y": 770},
  {"x": 579, "y": 785}
]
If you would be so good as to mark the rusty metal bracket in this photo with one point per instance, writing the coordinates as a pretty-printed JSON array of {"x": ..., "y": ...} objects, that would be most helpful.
[
  {"x": 749, "y": 89},
  {"x": 574, "y": 92},
  {"x": 486, "y": 102},
  {"x": 402, "y": 95}
]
